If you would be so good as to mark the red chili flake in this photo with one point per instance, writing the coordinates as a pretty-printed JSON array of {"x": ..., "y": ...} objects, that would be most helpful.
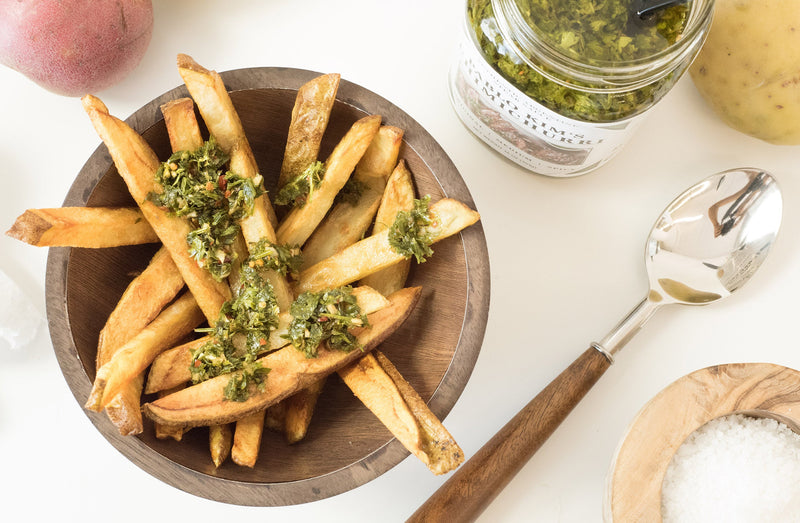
[
  {"x": 197, "y": 363},
  {"x": 209, "y": 186},
  {"x": 262, "y": 341},
  {"x": 323, "y": 319},
  {"x": 223, "y": 184}
]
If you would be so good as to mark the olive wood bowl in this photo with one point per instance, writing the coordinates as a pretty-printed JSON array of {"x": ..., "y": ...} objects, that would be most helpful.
[
  {"x": 346, "y": 446},
  {"x": 633, "y": 487}
]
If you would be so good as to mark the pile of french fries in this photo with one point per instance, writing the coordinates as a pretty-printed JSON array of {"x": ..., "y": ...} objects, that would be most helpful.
[{"x": 142, "y": 348}]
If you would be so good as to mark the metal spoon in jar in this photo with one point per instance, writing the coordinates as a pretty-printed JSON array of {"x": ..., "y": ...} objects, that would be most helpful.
[
  {"x": 707, "y": 243},
  {"x": 647, "y": 8}
]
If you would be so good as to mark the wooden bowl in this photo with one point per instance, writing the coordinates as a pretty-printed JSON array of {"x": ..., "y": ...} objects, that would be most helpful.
[
  {"x": 346, "y": 446},
  {"x": 633, "y": 489}
]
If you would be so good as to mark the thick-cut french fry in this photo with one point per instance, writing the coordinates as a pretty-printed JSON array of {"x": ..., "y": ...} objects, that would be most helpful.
[
  {"x": 164, "y": 431},
  {"x": 301, "y": 221},
  {"x": 92, "y": 227},
  {"x": 378, "y": 384},
  {"x": 137, "y": 164},
  {"x": 205, "y": 403},
  {"x": 141, "y": 302},
  {"x": 255, "y": 229},
  {"x": 347, "y": 222},
  {"x": 220, "y": 439},
  {"x": 143, "y": 299},
  {"x": 247, "y": 439},
  {"x": 184, "y": 133},
  {"x": 374, "y": 253},
  {"x": 398, "y": 196},
  {"x": 171, "y": 367},
  {"x": 299, "y": 409},
  {"x": 216, "y": 107},
  {"x": 310, "y": 115},
  {"x": 174, "y": 322},
  {"x": 275, "y": 418}
]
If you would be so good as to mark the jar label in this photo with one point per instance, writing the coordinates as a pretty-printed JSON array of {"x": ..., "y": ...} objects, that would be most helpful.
[{"x": 525, "y": 131}]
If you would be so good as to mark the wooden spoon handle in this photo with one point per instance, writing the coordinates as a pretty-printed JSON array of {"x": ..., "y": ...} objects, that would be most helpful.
[{"x": 471, "y": 488}]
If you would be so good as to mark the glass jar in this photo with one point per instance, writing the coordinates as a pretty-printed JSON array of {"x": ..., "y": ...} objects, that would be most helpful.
[{"x": 559, "y": 86}]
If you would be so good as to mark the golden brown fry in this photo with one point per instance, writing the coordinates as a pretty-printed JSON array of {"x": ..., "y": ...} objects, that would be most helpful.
[
  {"x": 174, "y": 322},
  {"x": 219, "y": 114},
  {"x": 182, "y": 128},
  {"x": 171, "y": 367},
  {"x": 136, "y": 163},
  {"x": 347, "y": 222},
  {"x": 301, "y": 221},
  {"x": 247, "y": 439},
  {"x": 144, "y": 298},
  {"x": 258, "y": 227},
  {"x": 205, "y": 403},
  {"x": 124, "y": 410},
  {"x": 374, "y": 253},
  {"x": 310, "y": 115},
  {"x": 378, "y": 384},
  {"x": 91, "y": 227},
  {"x": 220, "y": 438},
  {"x": 166, "y": 432},
  {"x": 276, "y": 416},
  {"x": 299, "y": 409},
  {"x": 398, "y": 196}
]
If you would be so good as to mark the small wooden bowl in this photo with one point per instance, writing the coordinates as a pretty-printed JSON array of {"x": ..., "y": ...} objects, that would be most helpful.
[
  {"x": 633, "y": 489},
  {"x": 347, "y": 446}
]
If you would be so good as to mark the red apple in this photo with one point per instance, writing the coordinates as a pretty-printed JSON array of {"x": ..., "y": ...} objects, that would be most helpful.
[{"x": 74, "y": 47}]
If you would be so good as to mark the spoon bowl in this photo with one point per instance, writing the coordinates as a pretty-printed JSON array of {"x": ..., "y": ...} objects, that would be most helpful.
[
  {"x": 705, "y": 245},
  {"x": 700, "y": 252}
]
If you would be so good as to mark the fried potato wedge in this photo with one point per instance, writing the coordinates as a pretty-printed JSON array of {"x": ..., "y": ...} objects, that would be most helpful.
[
  {"x": 298, "y": 225},
  {"x": 137, "y": 163},
  {"x": 143, "y": 299},
  {"x": 146, "y": 295},
  {"x": 310, "y": 115},
  {"x": 171, "y": 367},
  {"x": 182, "y": 128},
  {"x": 378, "y": 384},
  {"x": 174, "y": 322},
  {"x": 348, "y": 221},
  {"x": 299, "y": 410},
  {"x": 247, "y": 439},
  {"x": 220, "y": 440},
  {"x": 205, "y": 403},
  {"x": 275, "y": 418},
  {"x": 374, "y": 253},
  {"x": 398, "y": 196},
  {"x": 216, "y": 107},
  {"x": 89, "y": 227},
  {"x": 164, "y": 431}
]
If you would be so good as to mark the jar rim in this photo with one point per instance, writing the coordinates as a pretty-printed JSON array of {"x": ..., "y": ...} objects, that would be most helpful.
[{"x": 600, "y": 75}]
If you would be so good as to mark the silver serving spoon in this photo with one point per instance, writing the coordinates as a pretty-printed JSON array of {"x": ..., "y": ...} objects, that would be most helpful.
[{"x": 706, "y": 245}]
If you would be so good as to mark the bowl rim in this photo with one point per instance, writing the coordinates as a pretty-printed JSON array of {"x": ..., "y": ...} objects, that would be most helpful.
[{"x": 371, "y": 465}]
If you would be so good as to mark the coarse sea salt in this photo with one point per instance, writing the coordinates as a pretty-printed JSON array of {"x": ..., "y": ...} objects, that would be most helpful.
[
  {"x": 734, "y": 469},
  {"x": 19, "y": 319}
]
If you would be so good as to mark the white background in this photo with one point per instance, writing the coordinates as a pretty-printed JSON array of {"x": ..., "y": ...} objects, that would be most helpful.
[{"x": 566, "y": 261}]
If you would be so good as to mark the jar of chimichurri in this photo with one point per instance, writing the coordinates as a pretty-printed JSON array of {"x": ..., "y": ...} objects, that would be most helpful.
[{"x": 559, "y": 86}]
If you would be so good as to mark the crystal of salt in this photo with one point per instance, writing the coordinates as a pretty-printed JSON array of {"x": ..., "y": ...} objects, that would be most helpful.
[
  {"x": 734, "y": 469},
  {"x": 19, "y": 319}
]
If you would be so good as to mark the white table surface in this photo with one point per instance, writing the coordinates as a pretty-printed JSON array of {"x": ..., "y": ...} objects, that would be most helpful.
[{"x": 566, "y": 263}]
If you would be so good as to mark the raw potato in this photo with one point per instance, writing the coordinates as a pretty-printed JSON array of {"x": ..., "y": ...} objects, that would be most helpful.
[
  {"x": 75, "y": 47},
  {"x": 749, "y": 68}
]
